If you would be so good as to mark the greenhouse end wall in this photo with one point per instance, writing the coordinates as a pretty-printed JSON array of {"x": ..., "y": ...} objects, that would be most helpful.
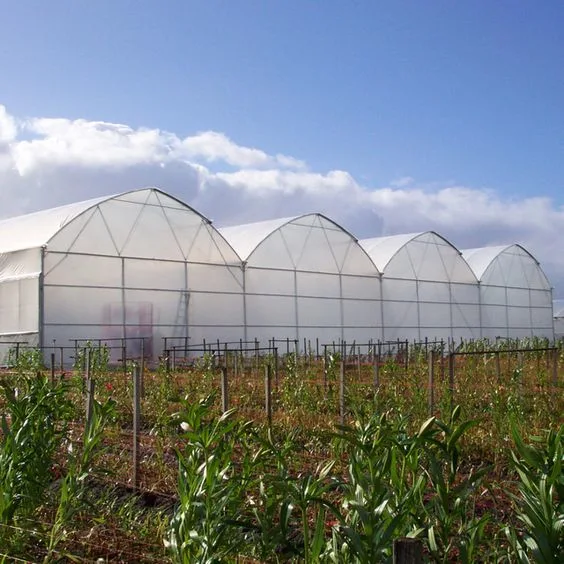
[
  {"x": 515, "y": 294},
  {"x": 307, "y": 278},
  {"x": 428, "y": 289},
  {"x": 141, "y": 265}
]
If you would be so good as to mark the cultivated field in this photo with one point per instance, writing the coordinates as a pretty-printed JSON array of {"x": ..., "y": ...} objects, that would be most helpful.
[{"x": 289, "y": 458}]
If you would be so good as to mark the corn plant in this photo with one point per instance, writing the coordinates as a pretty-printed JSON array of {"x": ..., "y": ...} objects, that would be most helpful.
[
  {"x": 205, "y": 526},
  {"x": 72, "y": 495},
  {"x": 33, "y": 428},
  {"x": 540, "y": 503},
  {"x": 270, "y": 534},
  {"x": 381, "y": 488},
  {"x": 447, "y": 513}
]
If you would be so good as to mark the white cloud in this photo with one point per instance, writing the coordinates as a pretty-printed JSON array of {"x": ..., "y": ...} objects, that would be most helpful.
[
  {"x": 214, "y": 147},
  {"x": 8, "y": 128},
  {"x": 46, "y": 162},
  {"x": 59, "y": 142}
]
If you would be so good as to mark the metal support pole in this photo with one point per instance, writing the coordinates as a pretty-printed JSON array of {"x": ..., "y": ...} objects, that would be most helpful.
[
  {"x": 52, "y": 368},
  {"x": 376, "y": 373},
  {"x": 136, "y": 423},
  {"x": 431, "y": 392},
  {"x": 342, "y": 392},
  {"x": 268, "y": 393},
  {"x": 224, "y": 391},
  {"x": 89, "y": 400},
  {"x": 451, "y": 358},
  {"x": 555, "y": 359}
]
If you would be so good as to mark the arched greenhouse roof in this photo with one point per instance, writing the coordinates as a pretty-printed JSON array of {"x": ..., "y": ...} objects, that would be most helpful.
[
  {"x": 419, "y": 256},
  {"x": 245, "y": 238},
  {"x": 146, "y": 223},
  {"x": 36, "y": 229},
  {"x": 310, "y": 242},
  {"x": 507, "y": 265}
]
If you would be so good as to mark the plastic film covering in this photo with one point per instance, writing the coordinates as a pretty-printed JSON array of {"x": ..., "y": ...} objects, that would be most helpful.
[
  {"x": 307, "y": 278},
  {"x": 137, "y": 265},
  {"x": 428, "y": 289},
  {"x": 516, "y": 297}
]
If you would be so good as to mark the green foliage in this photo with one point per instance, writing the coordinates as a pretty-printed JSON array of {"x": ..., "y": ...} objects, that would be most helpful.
[
  {"x": 81, "y": 465},
  {"x": 97, "y": 356},
  {"x": 540, "y": 503},
  {"x": 289, "y": 492},
  {"x": 448, "y": 512},
  {"x": 25, "y": 360},
  {"x": 33, "y": 427},
  {"x": 210, "y": 490},
  {"x": 400, "y": 484}
]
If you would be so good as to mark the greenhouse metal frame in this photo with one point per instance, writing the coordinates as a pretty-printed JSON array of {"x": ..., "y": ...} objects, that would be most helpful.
[
  {"x": 428, "y": 289},
  {"x": 143, "y": 266},
  {"x": 515, "y": 294},
  {"x": 306, "y": 278},
  {"x": 140, "y": 265}
]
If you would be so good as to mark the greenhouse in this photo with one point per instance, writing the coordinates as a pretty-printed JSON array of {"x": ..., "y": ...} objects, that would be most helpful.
[
  {"x": 428, "y": 289},
  {"x": 144, "y": 266},
  {"x": 140, "y": 264},
  {"x": 307, "y": 278},
  {"x": 515, "y": 294}
]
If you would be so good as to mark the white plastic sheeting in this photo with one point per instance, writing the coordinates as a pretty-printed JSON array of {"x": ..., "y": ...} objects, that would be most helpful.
[
  {"x": 144, "y": 264},
  {"x": 307, "y": 278},
  {"x": 515, "y": 295},
  {"x": 428, "y": 289},
  {"x": 139, "y": 264}
]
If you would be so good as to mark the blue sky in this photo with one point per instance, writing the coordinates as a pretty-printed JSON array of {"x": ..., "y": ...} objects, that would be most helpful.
[
  {"x": 425, "y": 108},
  {"x": 467, "y": 91}
]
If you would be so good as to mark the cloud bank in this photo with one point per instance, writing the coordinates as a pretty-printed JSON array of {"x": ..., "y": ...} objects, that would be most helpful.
[{"x": 45, "y": 162}]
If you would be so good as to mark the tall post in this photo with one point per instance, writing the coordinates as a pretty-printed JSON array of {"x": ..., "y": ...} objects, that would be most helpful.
[
  {"x": 89, "y": 387},
  {"x": 342, "y": 392},
  {"x": 555, "y": 359},
  {"x": 451, "y": 358},
  {"x": 376, "y": 372},
  {"x": 275, "y": 367},
  {"x": 89, "y": 401},
  {"x": 52, "y": 368},
  {"x": 224, "y": 391},
  {"x": 136, "y": 423},
  {"x": 358, "y": 361},
  {"x": 124, "y": 356},
  {"x": 268, "y": 393},
  {"x": 431, "y": 392},
  {"x": 167, "y": 360},
  {"x": 142, "y": 364}
]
